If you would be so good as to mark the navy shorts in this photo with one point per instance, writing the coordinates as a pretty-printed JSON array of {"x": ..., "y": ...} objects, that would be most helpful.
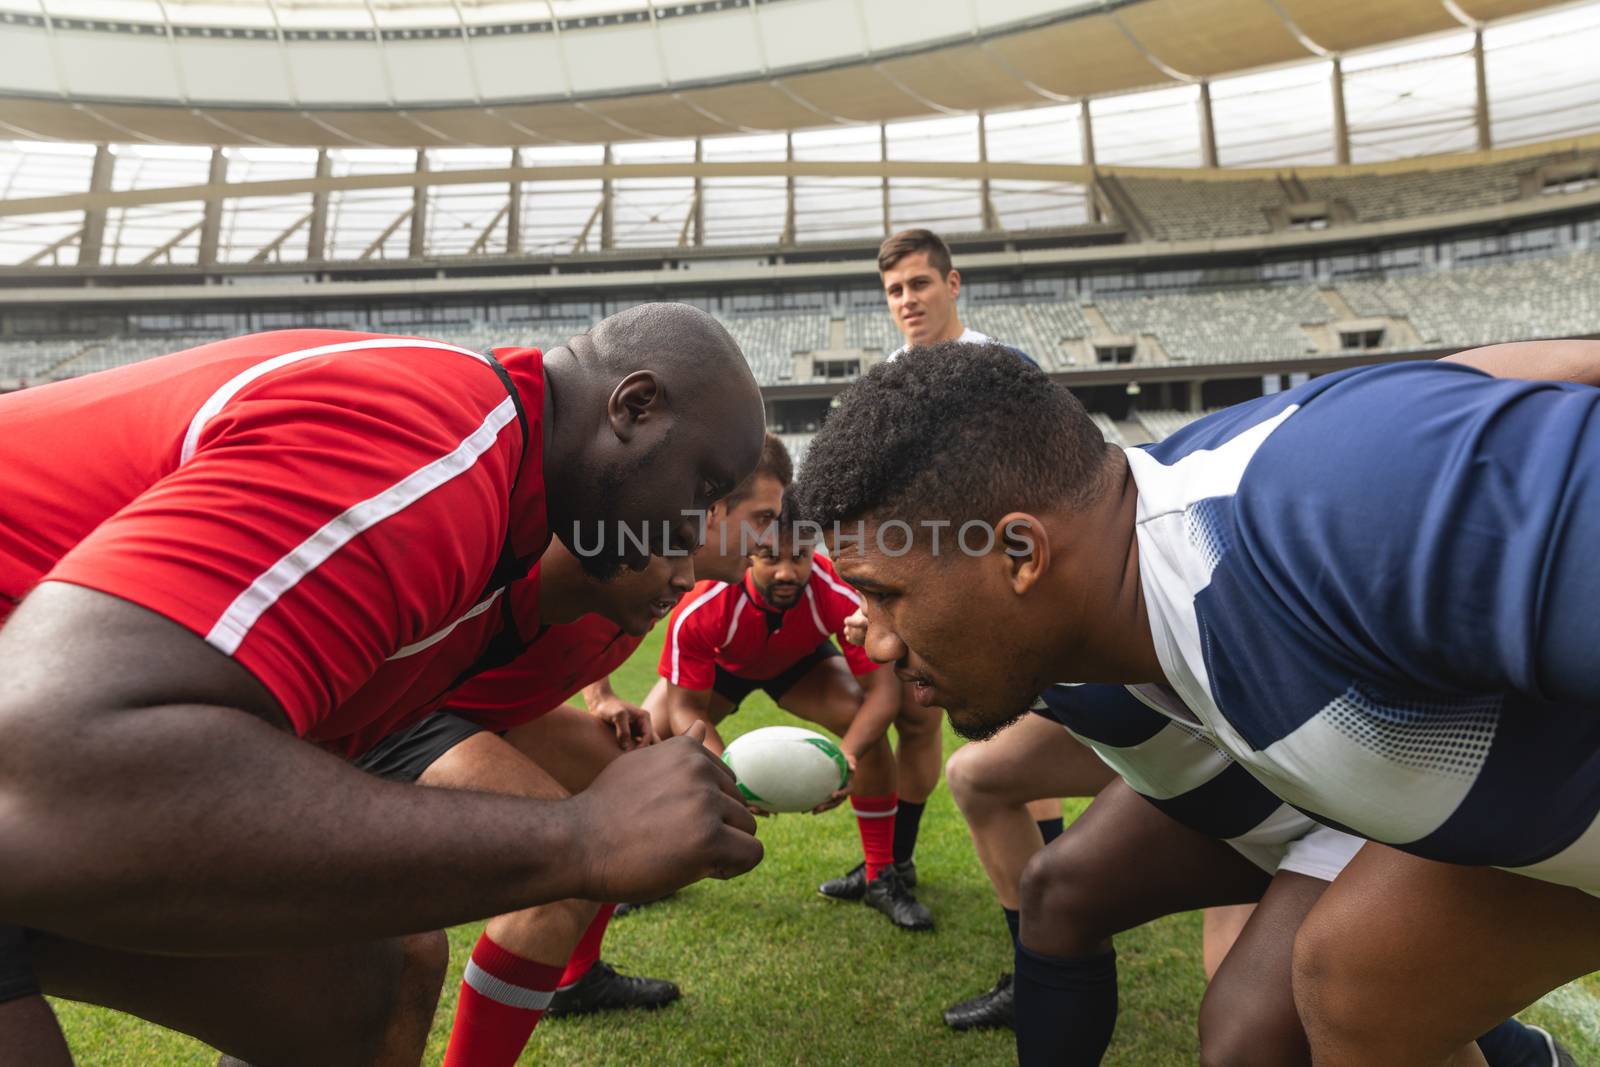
[{"x": 735, "y": 688}]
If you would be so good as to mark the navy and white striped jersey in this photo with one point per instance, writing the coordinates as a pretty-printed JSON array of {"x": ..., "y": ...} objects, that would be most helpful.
[
  {"x": 1379, "y": 592},
  {"x": 1142, "y": 734}
]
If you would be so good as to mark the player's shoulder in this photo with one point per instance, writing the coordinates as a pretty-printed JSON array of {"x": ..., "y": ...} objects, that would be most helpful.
[
  {"x": 1390, "y": 391},
  {"x": 707, "y": 600}
]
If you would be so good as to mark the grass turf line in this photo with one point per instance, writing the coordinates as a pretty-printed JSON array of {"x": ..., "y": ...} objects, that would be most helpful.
[{"x": 773, "y": 973}]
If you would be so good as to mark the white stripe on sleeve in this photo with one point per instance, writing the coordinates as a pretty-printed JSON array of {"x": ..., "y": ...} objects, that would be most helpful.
[
  {"x": 247, "y": 608},
  {"x": 677, "y": 623}
]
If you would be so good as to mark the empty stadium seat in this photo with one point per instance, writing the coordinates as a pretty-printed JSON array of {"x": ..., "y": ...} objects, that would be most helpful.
[
  {"x": 1163, "y": 424},
  {"x": 1228, "y": 326}
]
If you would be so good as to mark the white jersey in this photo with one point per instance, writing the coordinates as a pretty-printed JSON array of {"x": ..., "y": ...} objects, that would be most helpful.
[{"x": 968, "y": 337}]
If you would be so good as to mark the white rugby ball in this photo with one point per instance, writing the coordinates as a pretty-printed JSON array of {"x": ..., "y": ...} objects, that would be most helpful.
[{"x": 786, "y": 768}]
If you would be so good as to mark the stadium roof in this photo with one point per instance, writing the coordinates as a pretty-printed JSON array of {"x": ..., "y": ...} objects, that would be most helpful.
[{"x": 409, "y": 73}]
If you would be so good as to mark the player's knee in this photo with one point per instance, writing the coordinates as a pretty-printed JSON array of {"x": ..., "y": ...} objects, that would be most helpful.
[
  {"x": 956, "y": 772},
  {"x": 397, "y": 1025},
  {"x": 972, "y": 781},
  {"x": 1338, "y": 999},
  {"x": 1059, "y": 903}
]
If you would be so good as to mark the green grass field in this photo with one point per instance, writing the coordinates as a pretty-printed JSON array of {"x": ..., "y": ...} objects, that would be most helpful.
[{"x": 772, "y": 973}]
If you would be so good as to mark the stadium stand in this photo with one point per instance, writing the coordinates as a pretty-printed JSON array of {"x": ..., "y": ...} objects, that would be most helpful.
[
  {"x": 1038, "y": 329},
  {"x": 1179, "y": 210},
  {"x": 1163, "y": 424},
  {"x": 1379, "y": 197},
  {"x": 1509, "y": 299},
  {"x": 770, "y": 340},
  {"x": 31, "y": 360},
  {"x": 1108, "y": 427},
  {"x": 1524, "y": 299},
  {"x": 871, "y": 329},
  {"x": 1221, "y": 327}
]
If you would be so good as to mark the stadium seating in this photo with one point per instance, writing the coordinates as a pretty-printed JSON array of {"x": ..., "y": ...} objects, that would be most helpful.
[
  {"x": 1227, "y": 326},
  {"x": 1108, "y": 427},
  {"x": 871, "y": 329},
  {"x": 1378, "y": 197},
  {"x": 1180, "y": 210},
  {"x": 1545, "y": 296},
  {"x": 1524, "y": 299},
  {"x": 1036, "y": 328},
  {"x": 1163, "y": 424},
  {"x": 770, "y": 340},
  {"x": 23, "y": 361}
]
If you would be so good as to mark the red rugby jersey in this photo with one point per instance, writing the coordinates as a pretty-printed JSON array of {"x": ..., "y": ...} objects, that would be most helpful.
[
  {"x": 723, "y": 625},
  {"x": 558, "y": 663},
  {"x": 325, "y": 507}
]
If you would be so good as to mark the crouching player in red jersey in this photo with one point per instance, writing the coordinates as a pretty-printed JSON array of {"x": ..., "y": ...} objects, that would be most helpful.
[
  {"x": 313, "y": 535},
  {"x": 771, "y": 632},
  {"x": 510, "y": 731}
]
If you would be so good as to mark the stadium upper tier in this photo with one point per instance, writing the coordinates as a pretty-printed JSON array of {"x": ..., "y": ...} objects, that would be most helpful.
[
  {"x": 367, "y": 228},
  {"x": 404, "y": 73},
  {"x": 1201, "y": 207},
  {"x": 1209, "y": 332},
  {"x": 1142, "y": 119}
]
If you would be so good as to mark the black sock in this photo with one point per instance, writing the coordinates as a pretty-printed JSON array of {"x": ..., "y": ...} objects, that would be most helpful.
[
  {"x": 1013, "y": 922},
  {"x": 907, "y": 821},
  {"x": 1052, "y": 828},
  {"x": 1511, "y": 1044},
  {"x": 1066, "y": 1008}
]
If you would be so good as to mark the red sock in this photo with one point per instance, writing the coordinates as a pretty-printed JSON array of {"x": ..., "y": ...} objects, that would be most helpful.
[
  {"x": 588, "y": 949},
  {"x": 502, "y": 998},
  {"x": 875, "y": 819}
]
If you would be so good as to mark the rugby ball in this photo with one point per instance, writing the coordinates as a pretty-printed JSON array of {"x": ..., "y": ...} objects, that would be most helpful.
[{"x": 786, "y": 768}]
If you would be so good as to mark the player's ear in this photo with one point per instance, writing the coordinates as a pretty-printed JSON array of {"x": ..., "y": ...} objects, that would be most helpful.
[
  {"x": 954, "y": 280},
  {"x": 1022, "y": 545},
  {"x": 636, "y": 399}
]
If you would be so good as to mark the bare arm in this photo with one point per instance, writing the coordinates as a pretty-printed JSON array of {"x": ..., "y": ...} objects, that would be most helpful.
[
  {"x": 685, "y": 707},
  {"x": 1558, "y": 361},
  {"x": 149, "y": 800},
  {"x": 880, "y": 703}
]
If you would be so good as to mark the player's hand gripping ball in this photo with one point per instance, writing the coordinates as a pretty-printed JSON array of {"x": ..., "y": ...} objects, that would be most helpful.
[{"x": 786, "y": 768}]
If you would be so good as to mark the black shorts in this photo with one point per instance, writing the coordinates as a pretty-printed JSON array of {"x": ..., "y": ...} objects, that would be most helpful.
[
  {"x": 402, "y": 757},
  {"x": 16, "y": 969},
  {"x": 735, "y": 688}
]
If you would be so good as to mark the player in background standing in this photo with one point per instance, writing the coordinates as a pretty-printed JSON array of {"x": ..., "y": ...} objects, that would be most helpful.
[
  {"x": 771, "y": 631},
  {"x": 921, "y": 287}
]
